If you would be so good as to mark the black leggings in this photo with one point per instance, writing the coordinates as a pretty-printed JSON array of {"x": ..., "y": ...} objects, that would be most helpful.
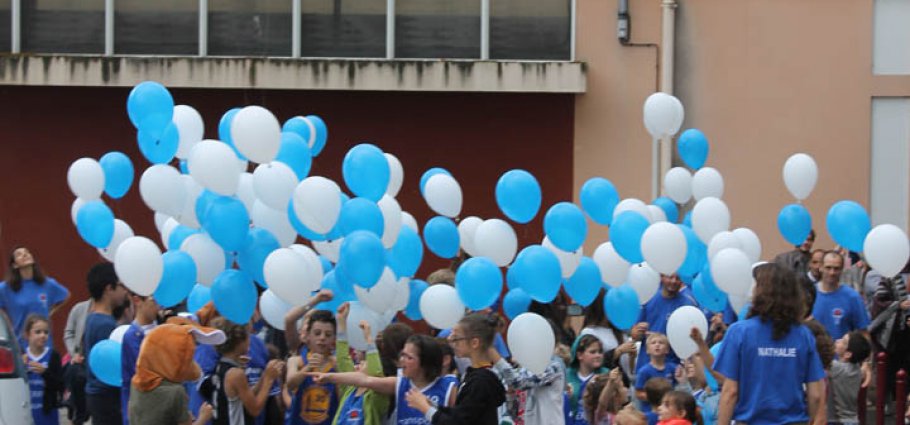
[{"x": 104, "y": 408}]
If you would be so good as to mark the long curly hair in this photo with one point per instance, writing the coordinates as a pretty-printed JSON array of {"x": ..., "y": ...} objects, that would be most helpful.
[{"x": 777, "y": 298}]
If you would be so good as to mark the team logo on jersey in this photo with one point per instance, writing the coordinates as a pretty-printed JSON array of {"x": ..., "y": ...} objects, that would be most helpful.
[
  {"x": 837, "y": 313},
  {"x": 315, "y": 403},
  {"x": 43, "y": 299}
]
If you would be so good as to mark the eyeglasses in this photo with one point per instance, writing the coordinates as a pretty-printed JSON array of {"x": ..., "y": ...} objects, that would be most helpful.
[{"x": 455, "y": 339}]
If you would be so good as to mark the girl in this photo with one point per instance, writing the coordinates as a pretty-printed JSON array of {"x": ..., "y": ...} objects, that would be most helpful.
[
  {"x": 45, "y": 373},
  {"x": 587, "y": 361},
  {"x": 604, "y": 396},
  {"x": 26, "y": 290},
  {"x": 678, "y": 408}
]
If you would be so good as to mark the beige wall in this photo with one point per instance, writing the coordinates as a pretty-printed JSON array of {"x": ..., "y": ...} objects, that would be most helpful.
[{"x": 763, "y": 79}]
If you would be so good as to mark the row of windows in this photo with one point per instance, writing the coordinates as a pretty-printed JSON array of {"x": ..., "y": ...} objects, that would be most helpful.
[{"x": 518, "y": 29}]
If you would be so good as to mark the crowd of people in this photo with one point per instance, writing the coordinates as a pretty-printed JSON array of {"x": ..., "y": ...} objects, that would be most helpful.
[{"x": 798, "y": 354}]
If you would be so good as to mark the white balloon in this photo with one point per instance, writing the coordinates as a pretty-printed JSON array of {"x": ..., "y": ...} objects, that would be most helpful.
[
  {"x": 329, "y": 249},
  {"x": 613, "y": 268},
  {"x": 274, "y": 184},
  {"x": 707, "y": 182},
  {"x": 632, "y": 204},
  {"x": 750, "y": 243},
  {"x": 402, "y": 295},
  {"x": 162, "y": 190},
  {"x": 663, "y": 245},
  {"x": 169, "y": 225},
  {"x": 159, "y": 220},
  {"x": 568, "y": 261},
  {"x": 678, "y": 185},
  {"x": 886, "y": 249},
  {"x": 139, "y": 265},
  {"x": 214, "y": 165},
  {"x": 290, "y": 276},
  {"x": 443, "y": 195},
  {"x": 317, "y": 203},
  {"x": 800, "y": 175},
  {"x": 721, "y": 241},
  {"x": 496, "y": 240},
  {"x": 188, "y": 216},
  {"x": 408, "y": 220},
  {"x": 657, "y": 214},
  {"x": 467, "y": 230},
  {"x": 256, "y": 134},
  {"x": 246, "y": 192},
  {"x": 381, "y": 296},
  {"x": 396, "y": 175},
  {"x": 118, "y": 333},
  {"x": 77, "y": 204},
  {"x": 441, "y": 307},
  {"x": 644, "y": 280},
  {"x": 710, "y": 217},
  {"x": 273, "y": 309},
  {"x": 679, "y": 327},
  {"x": 86, "y": 179},
  {"x": 531, "y": 342},
  {"x": 208, "y": 256},
  {"x": 663, "y": 114},
  {"x": 190, "y": 128},
  {"x": 737, "y": 302},
  {"x": 732, "y": 271},
  {"x": 122, "y": 232},
  {"x": 391, "y": 219},
  {"x": 357, "y": 313},
  {"x": 312, "y": 259},
  {"x": 275, "y": 221}
]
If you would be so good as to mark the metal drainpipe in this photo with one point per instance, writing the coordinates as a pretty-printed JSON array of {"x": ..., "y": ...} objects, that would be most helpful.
[{"x": 667, "y": 48}]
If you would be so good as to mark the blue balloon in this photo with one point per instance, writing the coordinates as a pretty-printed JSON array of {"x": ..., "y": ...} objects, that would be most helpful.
[
  {"x": 302, "y": 127},
  {"x": 565, "y": 225},
  {"x": 259, "y": 244},
  {"x": 405, "y": 256},
  {"x": 178, "y": 235},
  {"x": 622, "y": 306},
  {"x": 224, "y": 130},
  {"x": 322, "y": 134},
  {"x": 518, "y": 195},
  {"x": 104, "y": 360},
  {"x": 696, "y": 253},
  {"x": 794, "y": 223},
  {"x": 326, "y": 264},
  {"x": 360, "y": 214},
  {"x": 478, "y": 282},
  {"x": 707, "y": 297},
  {"x": 441, "y": 236},
  {"x": 235, "y": 296},
  {"x": 95, "y": 223},
  {"x": 366, "y": 171},
  {"x": 744, "y": 312},
  {"x": 515, "y": 302},
  {"x": 693, "y": 148},
  {"x": 118, "y": 173},
  {"x": 177, "y": 280},
  {"x": 184, "y": 167},
  {"x": 708, "y": 280},
  {"x": 198, "y": 298},
  {"x": 430, "y": 173},
  {"x": 203, "y": 202},
  {"x": 585, "y": 283},
  {"x": 296, "y": 154},
  {"x": 848, "y": 224},
  {"x": 159, "y": 148},
  {"x": 150, "y": 107},
  {"x": 626, "y": 233},
  {"x": 343, "y": 292},
  {"x": 669, "y": 208},
  {"x": 687, "y": 220},
  {"x": 227, "y": 222},
  {"x": 362, "y": 258},
  {"x": 301, "y": 228},
  {"x": 599, "y": 198},
  {"x": 539, "y": 272},
  {"x": 512, "y": 278},
  {"x": 412, "y": 311}
]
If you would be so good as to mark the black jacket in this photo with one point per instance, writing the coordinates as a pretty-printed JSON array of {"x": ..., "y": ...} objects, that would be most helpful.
[{"x": 478, "y": 399}]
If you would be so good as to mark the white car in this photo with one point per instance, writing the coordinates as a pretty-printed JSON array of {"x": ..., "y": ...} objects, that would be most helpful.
[{"x": 15, "y": 406}]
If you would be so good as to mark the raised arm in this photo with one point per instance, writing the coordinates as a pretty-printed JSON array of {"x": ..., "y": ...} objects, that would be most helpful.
[
  {"x": 253, "y": 398},
  {"x": 291, "y": 334}
]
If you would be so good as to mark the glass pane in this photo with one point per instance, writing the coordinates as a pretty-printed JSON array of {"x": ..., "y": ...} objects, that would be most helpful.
[
  {"x": 530, "y": 29},
  {"x": 5, "y": 25},
  {"x": 168, "y": 27},
  {"x": 249, "y": 28},
  {"x": 338, "y": 28},
  {"x": 63, "y": 26},
  {"x": 437, "y": 29}
]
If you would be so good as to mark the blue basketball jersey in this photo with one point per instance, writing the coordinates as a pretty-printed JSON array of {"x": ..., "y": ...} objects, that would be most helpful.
[{"x": 438, "y": 392}]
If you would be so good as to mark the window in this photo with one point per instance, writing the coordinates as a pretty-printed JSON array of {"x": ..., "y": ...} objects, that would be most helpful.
[
  {"x": 164, "y": 27},
  {"x": 62, "y": 26},
  {"x": 437, "y": 29},
  {"x": 530, "y": 29},
  {"x": 890, "y": 179},
  {"x": 891, "y": 37},
  {"x": 339, "y": 28},
  {"x": 249, "y": 28}
]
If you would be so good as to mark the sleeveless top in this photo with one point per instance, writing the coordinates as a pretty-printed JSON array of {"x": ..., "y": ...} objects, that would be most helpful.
[
  {"x": 36, "y": 388},
  {"x": 313, "y": 404},
  {"x": 438, "y": 392},
  {"x": 227, "y": 411}
]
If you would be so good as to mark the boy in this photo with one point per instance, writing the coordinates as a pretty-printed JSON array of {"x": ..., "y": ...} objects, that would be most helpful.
[
  {"x": 109, "y": 294},
  {"x": 145, "y": 316},
  {"x": 313, "y": 403},
  {"x": 658, "y": 346},
  {"x": 846, "y": 376},
  {"x": 655, "y": 389}
]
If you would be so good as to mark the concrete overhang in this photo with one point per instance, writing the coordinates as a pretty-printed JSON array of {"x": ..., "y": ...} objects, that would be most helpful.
[{"x": 295, "y": 74}]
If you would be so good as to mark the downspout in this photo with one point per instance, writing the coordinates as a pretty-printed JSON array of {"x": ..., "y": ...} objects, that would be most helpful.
[{"x": 668, "y": 48}]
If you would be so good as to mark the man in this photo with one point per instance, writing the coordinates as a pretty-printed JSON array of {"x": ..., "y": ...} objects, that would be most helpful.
[
  {"x": 815, "y": 265},
  {"x": 798, "y": 259},
  {"x": 108, "y": 294},
  {"x": 838, "y": 308},
  {"x": 146, "y": 313},
  {"x": 656, "y": 312}
]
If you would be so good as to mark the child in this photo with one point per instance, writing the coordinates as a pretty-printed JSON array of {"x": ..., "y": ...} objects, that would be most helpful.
[
  {"x": 678, "y": 408},
  {"x": 604, "y": 396},
  {"x": 45, "y": 373},
  {"x": 655, "y": 389},
  {"x": 481, "y": 392},
  {"x": 845, "y": 377},
  {"x": 544, "y": 398},
  {"x": 629, "y": 415},
  {"x": 658, "y": 346},
  {"x": 587, "y": 361},
  {"x": 145, "y": 314},
  {"x": 312, "y": 402}
]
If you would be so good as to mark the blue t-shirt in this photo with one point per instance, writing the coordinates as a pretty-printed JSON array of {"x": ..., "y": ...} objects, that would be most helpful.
[
  {"x": 770, "y": 372},
  {"x": 36, "y": 387},
  {"x": 98, "y": 327},
  {"x": 129, "y": 354},
  {"x": 840, "y": 311},
  {"x": 648, "y": 371},
  {"x": 656, "y": 312},
  {"x": 32, "y": 298},
  {"x": 207, "y": 358}
]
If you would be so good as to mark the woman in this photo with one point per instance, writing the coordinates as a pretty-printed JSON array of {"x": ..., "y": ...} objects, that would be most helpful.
[
  {"x": 767, "y": 358},
  {"x": 612, "y": 340},
  {"x": 27, "y": 290}
]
